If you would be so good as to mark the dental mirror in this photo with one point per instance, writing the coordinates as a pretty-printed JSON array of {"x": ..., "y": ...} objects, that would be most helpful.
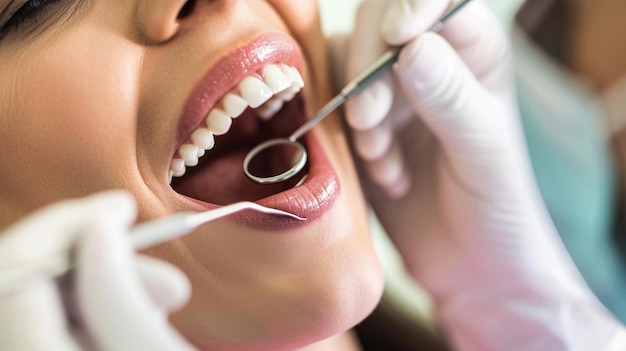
[{"x": 277, "y": 160}]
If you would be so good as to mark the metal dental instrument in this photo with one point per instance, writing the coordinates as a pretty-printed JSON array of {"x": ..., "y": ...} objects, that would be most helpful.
[
  {"x": 142, "y": 236},
  {"x": 291, "y": 153}
]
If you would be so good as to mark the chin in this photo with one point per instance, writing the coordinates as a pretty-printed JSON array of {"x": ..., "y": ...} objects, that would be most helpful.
[{"x": 262, "y": 282}]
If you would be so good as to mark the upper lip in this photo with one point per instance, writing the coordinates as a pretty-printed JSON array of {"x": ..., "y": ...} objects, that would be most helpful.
[{"x": 224, "y": 75}]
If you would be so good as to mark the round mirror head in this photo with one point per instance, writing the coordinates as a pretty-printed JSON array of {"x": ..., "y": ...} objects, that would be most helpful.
[{"x": 275, "y": 161}]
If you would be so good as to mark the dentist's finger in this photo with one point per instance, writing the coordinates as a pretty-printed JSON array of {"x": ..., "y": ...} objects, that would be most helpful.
[
  {"x": 372, "y": 105},
  {"x": 372, "y": 144},
  {"x": 167, "y": 285},
  {"x": 406, "y": 19},
  {"x": 389, "y": 172},
  {"x": 114, "y": 305},
  {"x": 34, "y": 319}
]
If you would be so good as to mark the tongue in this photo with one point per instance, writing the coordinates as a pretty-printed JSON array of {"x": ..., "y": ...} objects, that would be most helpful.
[{"x": 223, "y": 182}]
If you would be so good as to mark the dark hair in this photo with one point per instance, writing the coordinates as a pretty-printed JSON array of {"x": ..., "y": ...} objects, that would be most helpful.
[{"x": 550, "y": 24}]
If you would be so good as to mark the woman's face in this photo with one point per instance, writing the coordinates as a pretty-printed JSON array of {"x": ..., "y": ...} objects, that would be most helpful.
[{"x": 103, "y": 94}]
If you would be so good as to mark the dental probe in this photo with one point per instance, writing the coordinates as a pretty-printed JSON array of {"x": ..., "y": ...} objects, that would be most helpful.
[
  {"x": 179, "y": 224},
  {"x": 142, "y": 236}
]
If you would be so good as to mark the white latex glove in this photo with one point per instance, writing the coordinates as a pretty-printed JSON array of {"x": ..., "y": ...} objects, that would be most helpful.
[
  {"x": 113, "y": 301},
  {"x": 451, "y": 182}
]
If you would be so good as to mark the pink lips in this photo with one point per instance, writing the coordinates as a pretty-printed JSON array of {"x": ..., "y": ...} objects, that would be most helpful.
[{"x": 318, "y": 193}]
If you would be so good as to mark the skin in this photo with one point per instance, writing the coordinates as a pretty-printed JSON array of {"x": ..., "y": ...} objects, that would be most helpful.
[
  {"x": 598, "y": 49},
  {"x": 88, "y": 99}
]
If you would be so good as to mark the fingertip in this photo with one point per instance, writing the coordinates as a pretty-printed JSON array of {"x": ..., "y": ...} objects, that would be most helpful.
[
  {"x": 168, "y": 286},
  {"x": 405, "y": 20},
  {"x": 400, "y": 188},
  {"x": 388, "y": 170},
  {"x": 370, "y": 107},
  {"x": 397, "y": 29},
  {"x": 373, "y": 144}
]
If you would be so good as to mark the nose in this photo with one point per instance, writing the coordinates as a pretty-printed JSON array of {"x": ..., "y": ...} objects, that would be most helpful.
[{"x": 160, "y": 20}]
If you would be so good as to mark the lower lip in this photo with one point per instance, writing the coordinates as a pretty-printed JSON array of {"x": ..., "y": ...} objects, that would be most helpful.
[{"x": 310, "y": 200}]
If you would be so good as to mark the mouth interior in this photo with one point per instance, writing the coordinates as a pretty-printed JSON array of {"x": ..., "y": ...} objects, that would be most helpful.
[{"x": 219, "y": 178}]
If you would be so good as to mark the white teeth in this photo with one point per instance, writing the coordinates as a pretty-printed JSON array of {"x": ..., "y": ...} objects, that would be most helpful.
[
  {"x": 189, "y": 154},
  {"x": 293, "y": 75},
  {"x": 234, "y": 105},
  {"x": 178, "y": 167},
  {"x": 292, "y": 91},
  {"x": 276, "y": 79},
  {"x": 266, "y": 93},
  {"x": 254, "y": 91},
  {"x": 267, "y": 111},
  {"x": 203, "y": 139},
  {"x": 286, "y": 95},
  {"x": 219, "y": 122}
]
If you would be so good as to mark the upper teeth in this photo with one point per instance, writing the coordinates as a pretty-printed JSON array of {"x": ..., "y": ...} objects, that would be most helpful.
[{"x": 268, "y": 91}]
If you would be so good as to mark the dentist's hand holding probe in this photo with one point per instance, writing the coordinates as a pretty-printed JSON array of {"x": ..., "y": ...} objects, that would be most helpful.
[
  {"x": 114, "y": 300},
  {"x": 448, "y": 174}
]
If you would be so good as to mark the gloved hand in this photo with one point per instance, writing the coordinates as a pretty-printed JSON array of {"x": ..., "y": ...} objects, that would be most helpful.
[
  {"x": 114, "y": 300},
  {"x": 451, "y": 182}
]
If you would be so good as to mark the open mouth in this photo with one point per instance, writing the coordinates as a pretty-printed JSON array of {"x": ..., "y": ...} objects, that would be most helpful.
[
  {"x": 208, "y": 165},
  {"x": 251, "y": 95}
]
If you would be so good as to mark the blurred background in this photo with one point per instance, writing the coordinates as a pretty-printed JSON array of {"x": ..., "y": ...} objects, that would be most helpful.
[{"x": 338, "y": 16}]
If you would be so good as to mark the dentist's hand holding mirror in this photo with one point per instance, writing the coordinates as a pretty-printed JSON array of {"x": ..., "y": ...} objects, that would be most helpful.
[{"x": 445, "y": 167}]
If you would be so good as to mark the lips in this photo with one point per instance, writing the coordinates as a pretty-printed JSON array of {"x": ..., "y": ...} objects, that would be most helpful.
[{"x": 249, "y": 96}]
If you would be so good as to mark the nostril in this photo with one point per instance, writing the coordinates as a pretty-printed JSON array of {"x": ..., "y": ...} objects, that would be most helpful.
[{"x": 187, "y": 9}]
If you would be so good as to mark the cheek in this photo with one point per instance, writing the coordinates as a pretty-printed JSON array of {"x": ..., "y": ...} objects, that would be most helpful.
[
  {"x": 299, "y": 15},
  {"x": 72, "y": 114}
]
